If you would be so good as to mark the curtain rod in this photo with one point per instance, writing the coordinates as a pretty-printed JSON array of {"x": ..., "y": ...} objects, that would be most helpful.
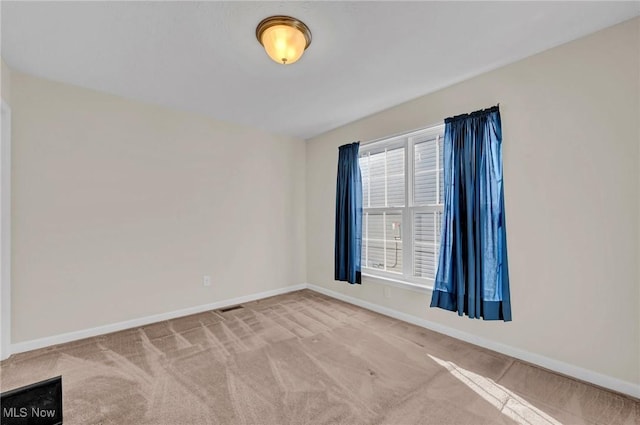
[
  {"x": 406, "y": 133},
  {"x": 474, "y": 113}
]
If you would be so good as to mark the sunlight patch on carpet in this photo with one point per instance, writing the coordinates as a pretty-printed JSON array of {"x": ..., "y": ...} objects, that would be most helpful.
[{"x": 503, "y": 399}]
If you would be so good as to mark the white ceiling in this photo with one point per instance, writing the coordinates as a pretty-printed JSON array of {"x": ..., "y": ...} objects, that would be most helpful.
[{"x": 365, "y": 56}]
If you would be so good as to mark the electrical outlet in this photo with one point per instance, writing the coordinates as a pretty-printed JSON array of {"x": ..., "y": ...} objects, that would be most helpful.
[{"x": 206, "y": 281}]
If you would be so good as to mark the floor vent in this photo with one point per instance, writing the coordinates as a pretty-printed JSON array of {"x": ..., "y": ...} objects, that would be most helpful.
[{"x": 235, "y": 307}]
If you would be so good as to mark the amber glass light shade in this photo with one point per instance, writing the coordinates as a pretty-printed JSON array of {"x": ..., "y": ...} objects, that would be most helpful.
[{"x": 284, "y": 38}]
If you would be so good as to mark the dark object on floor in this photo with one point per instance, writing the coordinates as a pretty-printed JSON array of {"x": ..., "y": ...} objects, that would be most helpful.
[
  {"x": 35, "y": 404},
  {"x": 235, "y": 307}
]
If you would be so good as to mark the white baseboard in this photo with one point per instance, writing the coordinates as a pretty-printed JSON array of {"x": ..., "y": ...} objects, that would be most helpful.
[
  {"x": 35, "y": 344},
  {"x": 545, "y": 362}
]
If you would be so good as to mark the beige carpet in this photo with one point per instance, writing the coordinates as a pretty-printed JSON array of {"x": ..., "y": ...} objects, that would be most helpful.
[{"x": 304, "y": 358}]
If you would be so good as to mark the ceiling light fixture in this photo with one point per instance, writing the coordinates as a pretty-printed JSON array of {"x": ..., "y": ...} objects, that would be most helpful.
[{"x": 284, "y": 38}]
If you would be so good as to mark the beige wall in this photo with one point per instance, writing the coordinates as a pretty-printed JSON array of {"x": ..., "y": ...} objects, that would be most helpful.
[
  {"x": 571, "y": 163},
  {"x": 120, "y": 208},
  {"x": 5, "y": 87}
]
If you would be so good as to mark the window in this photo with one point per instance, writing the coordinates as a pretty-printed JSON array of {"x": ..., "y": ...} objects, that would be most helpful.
[{"x": 403, "y": 192}]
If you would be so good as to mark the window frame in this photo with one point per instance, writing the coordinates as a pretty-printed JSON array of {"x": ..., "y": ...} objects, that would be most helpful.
[{"x": 407, "y": 141}]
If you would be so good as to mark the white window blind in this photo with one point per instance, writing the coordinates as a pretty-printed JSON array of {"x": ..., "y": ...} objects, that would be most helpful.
[
  {"x": 428, "y": 195},
  {"x": 403, "y": 192},
  {"x": 383, "y": 184},
  {"x": 383, "y": 178},
  {"x": 382, "y": 241},
  {"x": 426, "y": 243},
  {"x": 428, "y": 171}
]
